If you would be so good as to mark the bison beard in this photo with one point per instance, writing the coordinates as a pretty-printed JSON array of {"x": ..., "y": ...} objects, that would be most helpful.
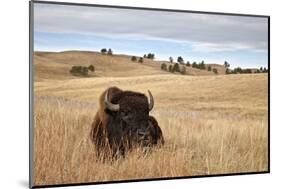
[{"x": 122, "y": 122}]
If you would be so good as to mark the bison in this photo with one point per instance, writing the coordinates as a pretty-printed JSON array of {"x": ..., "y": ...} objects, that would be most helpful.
[{"x": 123, "y": 121}]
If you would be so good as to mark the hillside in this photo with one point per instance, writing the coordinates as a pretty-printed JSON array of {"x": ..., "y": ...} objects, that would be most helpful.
[
  {"x": 56, "y": 65},
  {"x": 211, "y": 124}
]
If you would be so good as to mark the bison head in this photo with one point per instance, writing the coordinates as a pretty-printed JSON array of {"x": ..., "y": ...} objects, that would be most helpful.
[{"x": 131, "y": 111}]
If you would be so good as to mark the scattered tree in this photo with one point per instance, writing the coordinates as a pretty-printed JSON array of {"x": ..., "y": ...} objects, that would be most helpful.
[
  {"x": 201, "y": 65},
  {"x": 215, "y": 70},
  {"x": 150, "y": 56},
  {"x": 103, "y": 51},
  {"x": 237, "y": 70},
  {"x": 180, "y": 59},
  {"x": 187, "y": 63},
  {"x": 141, "y": 60},
  {"x": 227, "y": 71},
  {"x": 109, "y": 52},
  {"x": 144, "y": 56},
  {"x": 171, "y": 59},
  {"x": 226, "y": 64},
  {"x": 133, "y": 58},
  {"x": 209, "y": 68},
  {"x": 247, "y": 71},
  {"x": 194, "y": 65},
  {"x": 176, "y": 67}
]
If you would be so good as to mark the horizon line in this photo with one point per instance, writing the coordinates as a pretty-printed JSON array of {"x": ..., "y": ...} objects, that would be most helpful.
[{"x": 156, "y": 60}]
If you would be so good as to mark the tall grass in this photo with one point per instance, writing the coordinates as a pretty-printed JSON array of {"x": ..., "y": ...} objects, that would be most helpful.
[{"x": 197, "y": 143}]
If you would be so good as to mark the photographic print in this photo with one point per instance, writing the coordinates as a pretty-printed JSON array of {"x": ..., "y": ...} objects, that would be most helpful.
[{"x": 121, "y": 94}]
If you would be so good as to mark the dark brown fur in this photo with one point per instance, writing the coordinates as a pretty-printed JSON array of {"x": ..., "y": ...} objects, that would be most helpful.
[{"x": 112, "y": 136}]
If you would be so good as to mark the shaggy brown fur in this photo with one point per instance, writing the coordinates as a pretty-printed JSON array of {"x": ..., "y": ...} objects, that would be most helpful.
[{"x": 112, "y": 134}]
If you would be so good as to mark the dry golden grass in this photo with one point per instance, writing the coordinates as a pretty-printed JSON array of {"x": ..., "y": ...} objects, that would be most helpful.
[
  {"x": 52, "y": 65},
  {"x": 211, "y": 124}
]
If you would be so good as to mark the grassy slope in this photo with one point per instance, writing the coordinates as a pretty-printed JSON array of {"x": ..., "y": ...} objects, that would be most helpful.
[
  {"x": 212, "y": 124},
  {"x": 51, "y": 65}
]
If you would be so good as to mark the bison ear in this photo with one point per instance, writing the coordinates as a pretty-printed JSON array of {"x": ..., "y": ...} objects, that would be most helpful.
[{"x": 109, "y": 112}]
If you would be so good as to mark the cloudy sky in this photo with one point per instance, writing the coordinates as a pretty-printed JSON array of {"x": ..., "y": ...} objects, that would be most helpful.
[{"x": 242, "y": 41}]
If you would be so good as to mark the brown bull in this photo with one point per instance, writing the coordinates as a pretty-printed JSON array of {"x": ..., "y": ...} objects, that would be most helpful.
[{"x": 123, "y": 121}]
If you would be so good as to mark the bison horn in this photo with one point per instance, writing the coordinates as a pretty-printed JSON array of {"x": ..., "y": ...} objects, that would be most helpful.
[
  {"x": 109, "y": 105},
  {"x": 151, "y": 101}
]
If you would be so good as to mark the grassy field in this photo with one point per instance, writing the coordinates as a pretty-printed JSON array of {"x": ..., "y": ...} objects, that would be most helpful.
[{"x": 211, "y": 124}]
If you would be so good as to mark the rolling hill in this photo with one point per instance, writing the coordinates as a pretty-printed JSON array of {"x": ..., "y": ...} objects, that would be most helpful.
[{"x": 56, "y": 65}]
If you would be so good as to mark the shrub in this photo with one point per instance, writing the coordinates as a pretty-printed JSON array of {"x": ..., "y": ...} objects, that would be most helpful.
[
  {"x": 263, "y": 70},
  {"x": 91, "y": 68},
  {"x": 187, "y": 63},
  {"x": 103, "y": 51},
  {"x": 163, "y": 66},
  {"x": 109, "y": 52},
  {"x": 134, "y": 58},
  {"x": 183, "y": 70},
  {"x": 247, "y": 71},
  {"x": 176, "y": 67},
  {"x": 209, "y": 68},
  {"x": 79, "y": 71},
  {"x": 144, "y": 56},
  {"x": 141, "y": 60},
  {"x": 215, "y": 70},
  {"x": 85, "y": 71},
  {"x": 237, "y": 70},
  {"x": 76, "y": 69},
  {"x": 227, "y": 71},
  {"x": 171, "y": 69},
  {"x": 194, "y": 65}
]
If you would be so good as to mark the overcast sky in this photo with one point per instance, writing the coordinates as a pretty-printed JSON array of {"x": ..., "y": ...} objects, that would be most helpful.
[{"x": 242, "y": 41}]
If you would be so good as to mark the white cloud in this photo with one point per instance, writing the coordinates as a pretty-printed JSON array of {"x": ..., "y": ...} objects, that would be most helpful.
[
  {"x": 219, "y": 47},
  {"x": 210, "y": 33}
]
